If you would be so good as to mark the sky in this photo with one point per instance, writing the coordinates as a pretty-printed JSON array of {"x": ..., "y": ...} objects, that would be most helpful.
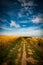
[{"x": 21, "y": 17}]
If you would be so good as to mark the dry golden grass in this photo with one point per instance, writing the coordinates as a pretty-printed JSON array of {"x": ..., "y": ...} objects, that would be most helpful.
[{"x": 6, "y": 39}]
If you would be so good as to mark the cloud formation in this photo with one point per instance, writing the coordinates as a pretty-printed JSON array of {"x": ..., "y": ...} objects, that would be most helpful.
[
  {"x": 14, "y": 24},
  {"x": 28, "y": 3},
  {"x": 37, "y": 19},
  {"x": 21, "y": 17},
  {"x": 26, "y": 32}
]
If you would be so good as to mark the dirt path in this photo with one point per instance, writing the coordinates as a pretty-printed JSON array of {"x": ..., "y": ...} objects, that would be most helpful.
[{"x": 24, "y": 55}]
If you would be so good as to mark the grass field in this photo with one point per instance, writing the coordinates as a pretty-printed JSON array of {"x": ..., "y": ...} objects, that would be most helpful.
[{"x": 15, "y": 50}]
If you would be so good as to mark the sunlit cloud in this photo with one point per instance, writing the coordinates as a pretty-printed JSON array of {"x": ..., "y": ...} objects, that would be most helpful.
[
  {"x": 31, "y": 31},
  {"x": 37, "y": 19},
  {"x": 13, "y": 24}
]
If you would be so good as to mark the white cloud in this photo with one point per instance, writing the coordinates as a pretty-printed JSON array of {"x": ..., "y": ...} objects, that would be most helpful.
[
  {"x": 5, "y": 28},
  {"x": 22, "y": 1},
  {"x": 31, "y": 31},
  {"x": 29, "y": 3},
  {"x": 26, "y": 8},
  {"x": 14, "y": 24},
  {"x": 37, "y": 19},
  {"x": 36, "y": 33}
]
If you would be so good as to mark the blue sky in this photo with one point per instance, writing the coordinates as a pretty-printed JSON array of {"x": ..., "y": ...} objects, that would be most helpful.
[{"x": 21, "y": 17}]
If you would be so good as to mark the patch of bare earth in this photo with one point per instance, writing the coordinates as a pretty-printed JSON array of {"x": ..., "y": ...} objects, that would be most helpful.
[
  {"x": 32, "y": 60},
  {"x": 24, "y": 56},
  {"x": 28, "y": 46},
  {"x": 19, "y": 49},
  {"x": 30, "y": 51},
  {"x": 19, "y": 55}
]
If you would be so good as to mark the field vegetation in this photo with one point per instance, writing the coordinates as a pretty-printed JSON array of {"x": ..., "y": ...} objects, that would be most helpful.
[{"x": 15, "y": 50}]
